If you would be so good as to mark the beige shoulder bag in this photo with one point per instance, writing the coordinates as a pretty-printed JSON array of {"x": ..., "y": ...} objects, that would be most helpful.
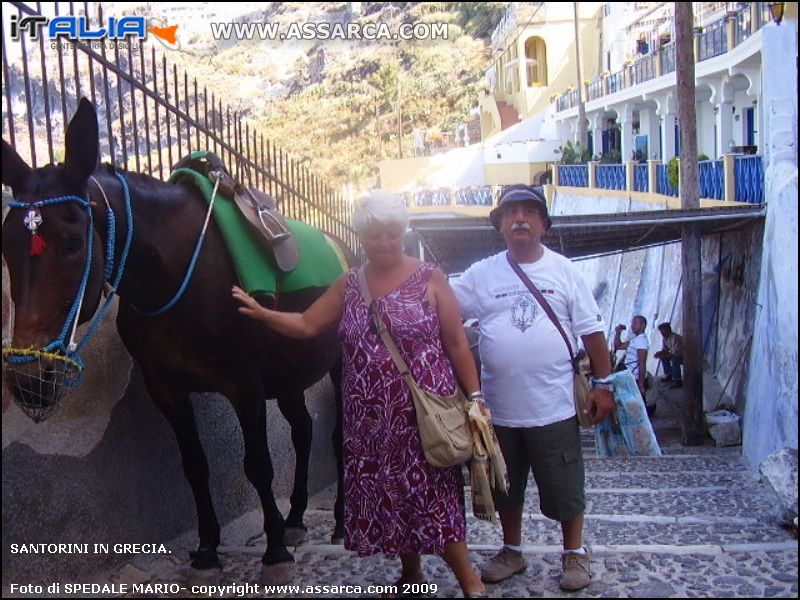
[{"x": 442, "y": 420}]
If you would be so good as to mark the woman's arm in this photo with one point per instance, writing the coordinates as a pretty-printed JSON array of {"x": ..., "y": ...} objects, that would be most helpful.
[
  {"x": 321, "y": 315},
  {"x": 454, "y": 340}
]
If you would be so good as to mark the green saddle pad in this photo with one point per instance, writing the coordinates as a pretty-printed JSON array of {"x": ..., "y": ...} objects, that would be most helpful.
[{"x": 321, "y": 261}]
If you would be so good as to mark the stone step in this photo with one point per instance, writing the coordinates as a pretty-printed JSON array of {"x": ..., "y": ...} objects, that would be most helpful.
[
  {"x": 636, "y": 530},
  {"x": 618, "y": 479},
  {"x": 680, "y": 502},
  {"x": 603, "y": 529},
  {"x": 666, "y": 463},
  {"x": 618, "y": 571}
]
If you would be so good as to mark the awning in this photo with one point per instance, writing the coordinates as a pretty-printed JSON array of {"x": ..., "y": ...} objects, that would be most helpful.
[{"x": 456, "y": 243}]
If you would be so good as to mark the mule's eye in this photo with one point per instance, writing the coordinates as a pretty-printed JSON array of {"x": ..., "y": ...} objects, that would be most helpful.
[{"x": 74, "y": 245}]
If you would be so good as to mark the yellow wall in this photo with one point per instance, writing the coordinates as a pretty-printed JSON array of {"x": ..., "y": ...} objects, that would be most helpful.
[
  {"x": 558, "y": 33},
  {"x": 510, "y": 173},
  {"x": 490, "y": 116},
  {"x": 398, "y": 173}
]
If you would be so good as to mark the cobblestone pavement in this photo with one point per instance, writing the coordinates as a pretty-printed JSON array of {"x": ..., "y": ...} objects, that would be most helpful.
[{"x": 693, "y": 523}]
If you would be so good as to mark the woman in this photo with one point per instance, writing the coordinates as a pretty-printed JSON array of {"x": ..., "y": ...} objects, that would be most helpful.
[{"x": 396, "y": 503}]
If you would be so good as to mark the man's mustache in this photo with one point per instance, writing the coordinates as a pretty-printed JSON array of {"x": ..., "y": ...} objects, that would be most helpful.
[{"x": 524, "y": 226}]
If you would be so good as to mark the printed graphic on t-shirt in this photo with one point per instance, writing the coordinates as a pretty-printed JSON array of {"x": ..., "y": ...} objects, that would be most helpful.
[{"x": 523, "y": 312}]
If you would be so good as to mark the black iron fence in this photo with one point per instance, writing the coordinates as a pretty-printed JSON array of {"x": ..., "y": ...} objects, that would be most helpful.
[{"x": 150, "y": 115}]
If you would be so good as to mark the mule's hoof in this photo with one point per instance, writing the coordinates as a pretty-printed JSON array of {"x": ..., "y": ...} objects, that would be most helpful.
[
  {"x": 204, "y": 559},
  {"x": 202, "y": 576},
  {"x": 337, "y": 537},
  {"x": 279, "y": 574},
  {"x": 294, "y": 536}
]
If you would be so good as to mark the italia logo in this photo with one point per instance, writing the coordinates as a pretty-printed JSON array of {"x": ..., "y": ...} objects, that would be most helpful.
[{"x": 80, "y": 29}]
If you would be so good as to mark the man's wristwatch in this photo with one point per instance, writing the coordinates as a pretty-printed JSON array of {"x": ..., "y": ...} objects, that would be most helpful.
[{"x": 602, "y": 385}]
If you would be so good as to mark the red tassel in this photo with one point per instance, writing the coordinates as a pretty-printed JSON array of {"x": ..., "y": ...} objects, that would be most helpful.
[{"x": 37, "y": 245}]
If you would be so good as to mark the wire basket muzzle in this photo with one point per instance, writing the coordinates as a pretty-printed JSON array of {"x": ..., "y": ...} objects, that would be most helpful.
[{"x": 39, "y": 380}]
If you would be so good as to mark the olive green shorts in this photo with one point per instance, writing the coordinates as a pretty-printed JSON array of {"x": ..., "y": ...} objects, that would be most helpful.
[{"x": 554, "y": 454}]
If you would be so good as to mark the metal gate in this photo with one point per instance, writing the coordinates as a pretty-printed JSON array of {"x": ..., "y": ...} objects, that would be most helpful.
[{"x": 150, "y": 115}]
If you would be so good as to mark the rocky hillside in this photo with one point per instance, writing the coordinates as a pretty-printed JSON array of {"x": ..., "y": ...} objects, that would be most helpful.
[{"x": 334, "y": 103}]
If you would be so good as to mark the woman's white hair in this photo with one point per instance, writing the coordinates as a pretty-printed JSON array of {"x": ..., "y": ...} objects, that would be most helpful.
[{"x": 384, "y": 207}]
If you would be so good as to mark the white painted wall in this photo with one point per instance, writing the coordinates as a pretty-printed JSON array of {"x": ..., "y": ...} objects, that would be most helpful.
[
  {"x": 770, "y": 420},
  {"x": 705, "y": 129},
  {"x": 642, "y": 282}
]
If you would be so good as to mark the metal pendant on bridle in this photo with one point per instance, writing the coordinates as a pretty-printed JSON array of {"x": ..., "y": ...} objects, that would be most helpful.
[{"x": 33, "y": 219}]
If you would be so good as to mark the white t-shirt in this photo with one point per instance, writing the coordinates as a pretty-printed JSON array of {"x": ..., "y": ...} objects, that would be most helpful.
[
  {"x": 637, "y": 342},
  {"x": 526, "y": 374}
]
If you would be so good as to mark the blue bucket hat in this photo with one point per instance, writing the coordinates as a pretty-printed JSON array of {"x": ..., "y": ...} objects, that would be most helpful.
[{"x": 520, "y": 193}]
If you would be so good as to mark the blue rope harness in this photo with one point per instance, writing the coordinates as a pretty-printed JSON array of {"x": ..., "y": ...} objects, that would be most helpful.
[{"x": 60, "y": 344}]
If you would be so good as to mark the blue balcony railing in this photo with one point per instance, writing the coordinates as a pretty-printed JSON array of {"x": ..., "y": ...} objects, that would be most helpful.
[
  {"x": 595, "y": 90},
  {"x": 437, "y": 197},
  {"x": 744, "y": 27},
  {"x": 714, "y": 40},
  {"x": 573, "y": 175},
  {"x": 616, "y": 82},
  {"x": 662, "y": 182},
  {"x": 743, "y": 177},
  {"x": 667, "y": 57},
  {"x": 611, "y": 177},
  {"x": 712, "y": 179},
  {"x": 644, "y": 69},
  {"x": 474, "y": 196},
  {"x": 641, "y": 178},
  {"x": 748, "y": 173}
]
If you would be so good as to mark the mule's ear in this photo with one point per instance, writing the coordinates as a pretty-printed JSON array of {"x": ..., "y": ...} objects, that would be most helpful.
[
  {"x": 82, "y": 142},
  {"x": 15, "y": 170}
]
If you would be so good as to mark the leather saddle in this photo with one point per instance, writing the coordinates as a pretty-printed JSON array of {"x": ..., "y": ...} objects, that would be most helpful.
[{"x": 257, "y": 207}]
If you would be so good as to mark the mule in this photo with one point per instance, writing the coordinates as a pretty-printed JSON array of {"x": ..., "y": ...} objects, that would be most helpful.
[{"x": 201, "y": 344}]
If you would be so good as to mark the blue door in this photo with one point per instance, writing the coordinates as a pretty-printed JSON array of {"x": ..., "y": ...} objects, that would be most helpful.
[{"x": 750, "y": 126}]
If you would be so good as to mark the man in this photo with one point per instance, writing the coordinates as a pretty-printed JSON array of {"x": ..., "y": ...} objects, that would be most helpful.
[
  {"x": 671, "y": 355},
  {"x": 527, "y": 377},
  {"x": 635, "y": 350}
]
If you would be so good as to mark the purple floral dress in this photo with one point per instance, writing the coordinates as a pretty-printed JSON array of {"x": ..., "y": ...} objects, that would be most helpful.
[{"x": 395, "y": 502}]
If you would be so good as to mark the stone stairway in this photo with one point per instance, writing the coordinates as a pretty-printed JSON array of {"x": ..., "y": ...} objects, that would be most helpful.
[
  {"x": 692, "y": 523},
  {"x": 508, "y": 114}
]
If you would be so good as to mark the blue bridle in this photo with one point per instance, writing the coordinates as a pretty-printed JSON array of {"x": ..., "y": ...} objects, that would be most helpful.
[
  {"x": 69, "y": 349},
  {"x": 60, "y": 344}
]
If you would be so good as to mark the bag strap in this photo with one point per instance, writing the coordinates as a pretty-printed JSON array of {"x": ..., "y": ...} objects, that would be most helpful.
[
  {"x": 401, "y": 365},
  {"x": 545, "y": 305}
]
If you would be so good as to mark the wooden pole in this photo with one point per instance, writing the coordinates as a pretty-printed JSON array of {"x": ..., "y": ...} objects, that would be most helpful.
[
  {"x": 582, "y": 135},
  {"x": 692, "y": 412},
  {"x": 399, "y": 116}
]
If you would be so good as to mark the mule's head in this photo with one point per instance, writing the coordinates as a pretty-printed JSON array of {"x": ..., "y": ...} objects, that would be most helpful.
[{"x": 46, "y": 248}]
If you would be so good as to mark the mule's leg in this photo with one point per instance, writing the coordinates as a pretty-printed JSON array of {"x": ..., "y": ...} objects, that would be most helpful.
[
  {"x": 295, "y": 412},
  {"x": 252, "y": 414},
  {"x": 338, "y": 441},
  {"x": 177, "y": 408}
]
